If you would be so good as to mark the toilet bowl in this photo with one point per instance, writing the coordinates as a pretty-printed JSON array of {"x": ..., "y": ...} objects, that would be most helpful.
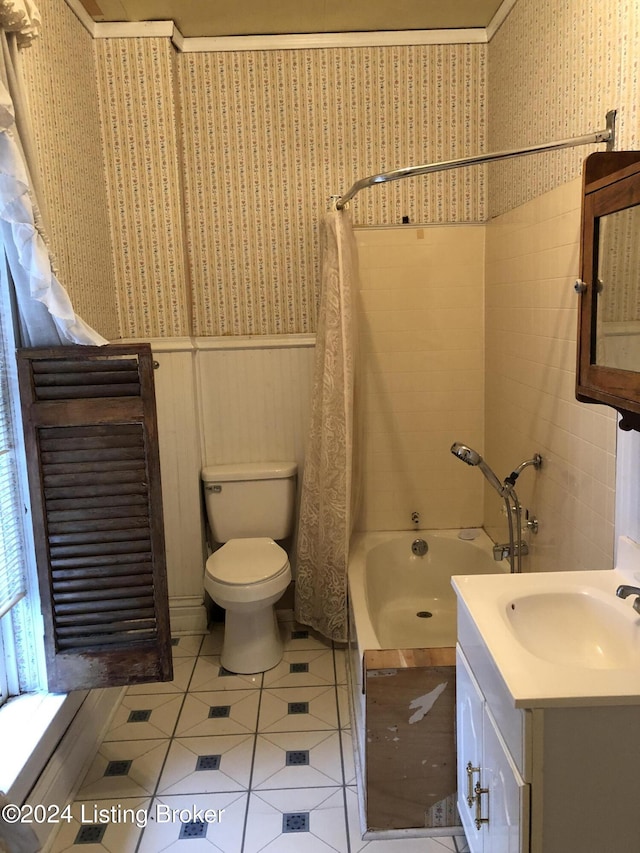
[{"x": 246, "y": 577}]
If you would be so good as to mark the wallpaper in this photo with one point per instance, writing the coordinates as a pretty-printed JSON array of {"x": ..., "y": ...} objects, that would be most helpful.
[
  {"x": 66, "y": 129},
  {"x": 560, "y": 83},
  {"x": 139, "y": 122},
  {"x": 270, "y": 136},
  {"x": 258, "y": 142}
]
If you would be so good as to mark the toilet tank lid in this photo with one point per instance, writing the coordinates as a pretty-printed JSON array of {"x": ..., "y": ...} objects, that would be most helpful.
[{"x": 248, "y": 471}]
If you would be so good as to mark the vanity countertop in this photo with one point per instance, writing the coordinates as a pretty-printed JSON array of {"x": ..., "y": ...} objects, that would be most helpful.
[{"x": 560, "y": 638}]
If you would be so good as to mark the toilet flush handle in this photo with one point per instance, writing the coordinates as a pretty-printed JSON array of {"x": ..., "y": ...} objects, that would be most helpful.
[{"x": 213, "y": 487}]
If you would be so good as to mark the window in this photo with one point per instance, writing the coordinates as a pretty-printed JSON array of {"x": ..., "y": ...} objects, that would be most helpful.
[{"x": 12, "y": 508}]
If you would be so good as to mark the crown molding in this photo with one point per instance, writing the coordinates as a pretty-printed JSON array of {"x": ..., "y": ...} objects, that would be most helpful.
[
  {"x": 499, "y": 18},
  {"x": 305, "y": 41},
  {"x": 301, "y": 41}
]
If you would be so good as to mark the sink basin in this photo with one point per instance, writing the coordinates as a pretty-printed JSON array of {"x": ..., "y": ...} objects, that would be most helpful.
[{"x": 578, "y": 629}]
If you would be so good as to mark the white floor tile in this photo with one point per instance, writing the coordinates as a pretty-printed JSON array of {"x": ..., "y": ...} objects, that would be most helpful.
[
  {"x": 280, "y": 710},
  {"x": 326, "y": 824},
  {"x": 212, "y": 643},
  {"x": 121, "y": 820},
  {"x": 297, "y": 637},
  {"x": 233, "y": 755},
  {"x": 344, "y": 707},
  {"x": 146, "y": 757},
  {"x": 317, "y": 666},
  {"x": 238, "y": 714},
  {"x": 321, "y": 750},
  {"x": 224, "y": 836},
  {"x": 348, "y": 757},
  {"x": 182, "y": 670},
  {"x": 341, "y": 666},
  {"x": 207, "y": 676},
  {"x": 163, "y": 712},
  {"x": 188, "y": 646}
]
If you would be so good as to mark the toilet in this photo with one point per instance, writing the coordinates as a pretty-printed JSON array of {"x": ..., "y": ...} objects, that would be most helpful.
[{"x": 249, "y": 505}]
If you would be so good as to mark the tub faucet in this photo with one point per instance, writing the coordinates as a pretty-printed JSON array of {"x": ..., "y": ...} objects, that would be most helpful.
[{"x": 624, "y": 591}]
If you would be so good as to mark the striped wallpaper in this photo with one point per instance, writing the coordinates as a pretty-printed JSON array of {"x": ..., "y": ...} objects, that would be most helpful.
[
  {"x": 139, "y": 123},
  {"x": 560, "y": 83},
  {"x": 244, "y": 151},
  {"x": 60, "y": 78}
]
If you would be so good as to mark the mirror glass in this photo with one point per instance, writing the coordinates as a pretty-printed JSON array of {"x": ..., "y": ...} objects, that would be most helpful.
[{"x": 617, "y": 341}]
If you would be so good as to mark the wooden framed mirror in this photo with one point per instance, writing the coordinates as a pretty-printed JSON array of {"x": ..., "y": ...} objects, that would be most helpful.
[{"x": 608, "y": 364}]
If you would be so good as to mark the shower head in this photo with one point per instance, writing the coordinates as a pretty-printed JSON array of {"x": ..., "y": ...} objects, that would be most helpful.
[{"x": 472, "y": 457}]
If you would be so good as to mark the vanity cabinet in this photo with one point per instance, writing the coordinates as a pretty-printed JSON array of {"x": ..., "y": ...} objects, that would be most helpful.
[
  {"x": 493, "y": 799},
  {"x": 554, "y": 779}
]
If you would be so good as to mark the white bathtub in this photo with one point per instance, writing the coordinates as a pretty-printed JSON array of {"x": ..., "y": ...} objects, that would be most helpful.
[{"x": 388, "y": 587}]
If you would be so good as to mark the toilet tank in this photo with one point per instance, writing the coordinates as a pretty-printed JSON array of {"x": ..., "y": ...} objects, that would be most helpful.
[{"x": 250, "y": 499}]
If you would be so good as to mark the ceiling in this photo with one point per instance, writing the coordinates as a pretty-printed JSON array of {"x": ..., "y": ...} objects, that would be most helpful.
[{"x": 202, "y": 18}]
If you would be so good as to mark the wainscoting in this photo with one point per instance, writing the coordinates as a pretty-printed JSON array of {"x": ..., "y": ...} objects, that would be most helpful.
[{"x": 220, "y": 400}]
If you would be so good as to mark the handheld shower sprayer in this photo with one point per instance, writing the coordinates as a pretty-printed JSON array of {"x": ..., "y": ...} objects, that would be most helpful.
[
  {"x": 507, "y": 492},
  {"x": 472, "y": 457}
]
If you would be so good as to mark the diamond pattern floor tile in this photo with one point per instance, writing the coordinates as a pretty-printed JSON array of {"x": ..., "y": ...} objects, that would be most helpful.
[
  {"x": 297, "y": 637},
  {"x": 231, "y": 771},
  {"x": 302, "y": 669},
  {"x": 212, "y": 643},
  {"x": 344, "y": 711},
  {"x": 119, "y": 822},
  {"x": 267, "y": 824},
  {"x": 234, "y": 712},
  {"x": 341, "y": 666},
  {"x": 209, "y": 674},
  {"x": 322, "y": 767},
  {"x": 188, "y": 646},
  {"x": 170, "y": 813},
  {"x": 280, "y": 709},
  {"x": 163, "y": 710},
  {"x": 145, "y": 759}
]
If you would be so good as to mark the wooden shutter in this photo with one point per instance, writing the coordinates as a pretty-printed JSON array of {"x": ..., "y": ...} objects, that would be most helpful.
[{"x": 94, "y": 477}]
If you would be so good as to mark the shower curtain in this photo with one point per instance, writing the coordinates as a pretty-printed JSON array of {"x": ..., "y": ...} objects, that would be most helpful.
[{"x": 329, "y": 487}]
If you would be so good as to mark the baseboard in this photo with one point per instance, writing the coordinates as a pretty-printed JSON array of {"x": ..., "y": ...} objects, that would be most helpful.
[
  {"x": 60, "y": 779},
  {"x": 188, "y": 615}
]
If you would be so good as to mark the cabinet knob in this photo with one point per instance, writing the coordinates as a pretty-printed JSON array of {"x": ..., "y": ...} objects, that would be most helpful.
[{"x": 580, "y": 286}]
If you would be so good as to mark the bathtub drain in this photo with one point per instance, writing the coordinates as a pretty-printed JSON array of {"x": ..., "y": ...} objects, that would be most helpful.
[{"x": 424, "y": 614}]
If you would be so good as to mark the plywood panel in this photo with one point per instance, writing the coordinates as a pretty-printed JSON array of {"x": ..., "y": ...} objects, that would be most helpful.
[{"x": 410, "y": 761}]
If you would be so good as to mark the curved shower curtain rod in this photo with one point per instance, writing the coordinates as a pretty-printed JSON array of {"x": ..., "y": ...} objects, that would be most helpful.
[{"x": 607, "y": 135}]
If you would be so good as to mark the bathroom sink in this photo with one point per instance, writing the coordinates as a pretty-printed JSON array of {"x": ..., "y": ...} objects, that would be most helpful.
[{"x": 579, "y": 629}]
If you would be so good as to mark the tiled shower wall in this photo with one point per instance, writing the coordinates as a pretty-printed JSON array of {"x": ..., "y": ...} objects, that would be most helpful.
[
  {"x": 422, "y": 377},
  {"x": 530, "y": 405}
]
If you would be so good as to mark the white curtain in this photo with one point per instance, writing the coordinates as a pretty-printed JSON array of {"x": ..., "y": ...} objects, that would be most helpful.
[
  {"x": 46, "y": 315},
  {"x": 328, "y": 498}
]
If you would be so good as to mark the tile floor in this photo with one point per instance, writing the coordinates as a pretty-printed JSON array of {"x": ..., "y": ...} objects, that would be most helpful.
[{"x": 231, "y": 763}]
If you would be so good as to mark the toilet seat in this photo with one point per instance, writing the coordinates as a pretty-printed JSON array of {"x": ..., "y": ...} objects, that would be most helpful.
[{"x": 244, "y": 562}]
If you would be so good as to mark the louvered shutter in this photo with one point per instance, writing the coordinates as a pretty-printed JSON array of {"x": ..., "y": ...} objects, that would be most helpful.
[{"x": 94, "y": 476}]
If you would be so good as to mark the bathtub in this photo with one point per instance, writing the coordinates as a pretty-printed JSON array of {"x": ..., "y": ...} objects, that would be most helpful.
[{"x": 398, "y": 600}]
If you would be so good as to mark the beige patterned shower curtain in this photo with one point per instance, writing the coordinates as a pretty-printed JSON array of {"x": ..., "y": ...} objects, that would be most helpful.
[{"x": 329, "y": 486}]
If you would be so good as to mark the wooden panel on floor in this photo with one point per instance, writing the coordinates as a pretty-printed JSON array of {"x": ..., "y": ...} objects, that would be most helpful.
[{"x": 410, "y": 743}]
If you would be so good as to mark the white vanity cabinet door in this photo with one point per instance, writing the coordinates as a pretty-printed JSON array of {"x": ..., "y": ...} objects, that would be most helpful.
[
  {"x": 469, "y": 717},
  {"x": 506, "y": 801},
  {"x": 503, "y": 804}
]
